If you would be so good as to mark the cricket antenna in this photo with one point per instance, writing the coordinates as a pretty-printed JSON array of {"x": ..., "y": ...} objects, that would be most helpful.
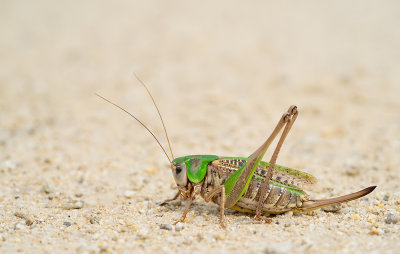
[
  {"x": 158, "y": 111},
  {"x": 121, "y": 108}
]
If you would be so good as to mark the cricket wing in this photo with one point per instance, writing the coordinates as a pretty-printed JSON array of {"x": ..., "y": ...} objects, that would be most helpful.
[
  {"x": 237, "y": 183},
  {"x": 287, "y": 175},
  {"x": 281, "y": 174}
]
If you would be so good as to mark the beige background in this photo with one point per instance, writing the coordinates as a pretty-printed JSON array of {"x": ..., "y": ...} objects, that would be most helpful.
[{"x": 222, "y": 73}]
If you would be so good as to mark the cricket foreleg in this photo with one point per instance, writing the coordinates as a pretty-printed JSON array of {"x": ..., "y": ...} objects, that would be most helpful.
[
  {"x": 182, "y": 219},
  {"x": 196, "y": 191},
  {"x": 171, "y": 199},
  {"x": 211, "y": 194},
  {"x": 288, "y": 119}
]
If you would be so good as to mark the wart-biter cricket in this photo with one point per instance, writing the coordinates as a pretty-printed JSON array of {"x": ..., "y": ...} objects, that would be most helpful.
[{"x": 245, "y": 184}]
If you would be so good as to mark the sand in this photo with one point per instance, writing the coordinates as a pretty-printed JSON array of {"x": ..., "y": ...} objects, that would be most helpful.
[{"x": 77, "y": 175}]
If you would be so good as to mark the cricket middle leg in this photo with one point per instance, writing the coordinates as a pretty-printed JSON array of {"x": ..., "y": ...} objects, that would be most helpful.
[{"x": 210, "y": 195}]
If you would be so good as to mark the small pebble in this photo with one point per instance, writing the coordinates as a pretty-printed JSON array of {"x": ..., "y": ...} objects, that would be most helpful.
[
  {"x": 391, "y": 218},
  {"x": 166, "y": 227},
  {"x": 386, "y": 197},
  {"x": 78, "y": 194},
  {"x": 278, "y": 248},
  {"x": 179, "y": 226},
  {"x": 199, "y": 237},
  {"x": 73, "y": 205},
  {"x": 9, "y": 165},
  {"x": 188, "y": 240},
  {"x": 398, "y": 201},
  {"x": 220, "y": 237},
  {"x": 376, "y": 231},
  {"x": 142, "y": 235},
  {"x": 332, "y": 208},
  {"x": 151, "y": 171},
  {"x": 19, "y": 226},
  {"x": 48, "y": 161},
  {"x": 355, "y": 217},
  {"x": 28, "y": 219},
  {"x": 129, "y": 194},
  {"x": 46, "y": 188},
  {"x": 67, "y": 223},
  {"x": 94, "y": 220},
  {"x": 352, "y": 171},
  {"x": 371, "y": 218}
]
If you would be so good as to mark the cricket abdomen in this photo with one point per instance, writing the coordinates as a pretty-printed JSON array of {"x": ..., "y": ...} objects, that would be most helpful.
[{"x": 280, "y": 198}]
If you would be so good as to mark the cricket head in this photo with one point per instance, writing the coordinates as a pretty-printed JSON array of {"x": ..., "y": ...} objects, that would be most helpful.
[
  {"x": 191, "y": 168},
  {"x": 179, "y": 173}
]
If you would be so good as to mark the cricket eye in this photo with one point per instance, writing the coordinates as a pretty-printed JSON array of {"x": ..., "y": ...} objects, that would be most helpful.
[{"x": 178, "y": 170}]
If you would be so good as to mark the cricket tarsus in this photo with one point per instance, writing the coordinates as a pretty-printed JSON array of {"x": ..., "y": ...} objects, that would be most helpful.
[
  {"x": 134, "y": 117},
  {"x": 158, "y": 111}
]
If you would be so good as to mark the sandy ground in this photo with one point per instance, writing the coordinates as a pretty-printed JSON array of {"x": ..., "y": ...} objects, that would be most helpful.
[{"x": 76, "y": 175}]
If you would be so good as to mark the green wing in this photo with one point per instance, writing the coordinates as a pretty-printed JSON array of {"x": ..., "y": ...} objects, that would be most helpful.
[
  {"x": 282, "y": 174},
  {"x": 237, "y": 183}
]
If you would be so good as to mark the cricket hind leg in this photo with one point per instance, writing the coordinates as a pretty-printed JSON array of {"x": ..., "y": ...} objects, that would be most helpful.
[
  {"x": 286, "y": 121},
  {"x": 210, "y": 195}
]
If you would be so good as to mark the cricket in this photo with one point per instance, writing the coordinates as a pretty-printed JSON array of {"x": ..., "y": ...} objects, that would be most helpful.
[{"x": 245, "y": 184}]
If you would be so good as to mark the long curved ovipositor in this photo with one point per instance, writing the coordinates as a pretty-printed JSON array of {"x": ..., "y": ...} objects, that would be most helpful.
[{"x": 315, "y": 204}]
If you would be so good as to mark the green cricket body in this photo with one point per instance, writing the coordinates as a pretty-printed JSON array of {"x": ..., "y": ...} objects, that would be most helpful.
[
  {"x": 245, "y": 184},
  {"x": 284, "y": 192},
  {"x": 210, "y": 171}
]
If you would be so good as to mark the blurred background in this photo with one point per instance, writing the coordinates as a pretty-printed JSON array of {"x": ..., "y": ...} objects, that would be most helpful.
[
  {"x": 225, "y": 65},
  {"x": 222, "y": 73}
]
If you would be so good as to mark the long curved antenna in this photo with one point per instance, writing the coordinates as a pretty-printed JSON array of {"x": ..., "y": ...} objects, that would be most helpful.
[
  {"x": 154, "y": 102},
  {"x": 139, "y": 122}
]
